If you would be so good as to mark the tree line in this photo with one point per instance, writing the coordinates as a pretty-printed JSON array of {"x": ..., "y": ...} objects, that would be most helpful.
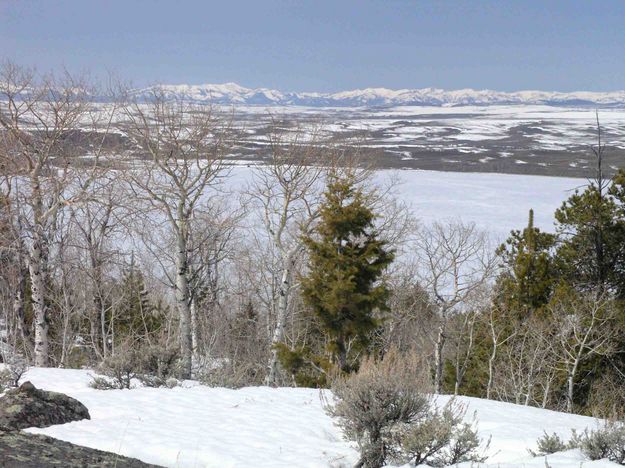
[{"x": 122, "y": 228}]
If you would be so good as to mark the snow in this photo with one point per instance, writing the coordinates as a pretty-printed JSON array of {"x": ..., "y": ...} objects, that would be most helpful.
[
  {"x": 198, "y": 426},
  {"x": 232, "y": 93},
  {"x": 496, "y": 203}
]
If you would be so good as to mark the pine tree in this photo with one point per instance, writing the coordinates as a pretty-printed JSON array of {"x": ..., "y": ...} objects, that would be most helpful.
[
  {"x": 591, "y": 225},
  {"x": 530, "y": 275},
  {"x": 135, "y": 315},
  {"x": 346, "y": 261}
]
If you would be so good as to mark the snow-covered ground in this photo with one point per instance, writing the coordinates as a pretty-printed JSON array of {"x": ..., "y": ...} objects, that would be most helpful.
[
  {"x": 198, "y": 426},
  {"x": 496, "y": 203}
]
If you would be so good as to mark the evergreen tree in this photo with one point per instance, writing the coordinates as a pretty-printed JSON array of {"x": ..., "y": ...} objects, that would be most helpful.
[
  {"x": 591, "y": 225},
  {"x": 135, "y": 316},
  {"x": 530, "y": 274},
  {"x": 346, "y": 261}
]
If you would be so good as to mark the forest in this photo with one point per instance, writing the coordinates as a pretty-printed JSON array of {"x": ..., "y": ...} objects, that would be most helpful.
[{"x": 125, "y": 247}]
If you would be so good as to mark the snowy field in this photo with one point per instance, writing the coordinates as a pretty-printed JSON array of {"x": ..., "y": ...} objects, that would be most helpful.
[
  {"x": 198, "y": 426},
  {"x": 496, "y": 203},
  {"x": 527, "y": 139}
]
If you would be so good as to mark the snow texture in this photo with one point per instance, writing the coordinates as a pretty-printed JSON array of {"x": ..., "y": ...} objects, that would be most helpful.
[{"x": 198, "y": 426}]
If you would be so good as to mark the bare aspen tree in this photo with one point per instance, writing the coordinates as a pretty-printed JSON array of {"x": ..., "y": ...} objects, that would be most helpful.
[
  {"x": 286, "y": 190},
  {"x": 584, "y": 329},
  {"x": 454, "y": 263},
  {"x": 523, "y": 373},
  {"x": 499, "y": 336},
  {"x": 97, "y": 224},
  {"x": 47, "y": 125},
  {"x": 411, "y": 315},
  {"x": 464, "y": 341},
  {"x": 211, "y": 243},
  {"x": 14, "y": 266},
  {"x": 184, "y": 146},
  {"x": 67, "y": 299}
]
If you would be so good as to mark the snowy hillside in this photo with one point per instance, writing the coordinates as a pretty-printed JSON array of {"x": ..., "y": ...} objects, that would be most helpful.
[
  {"x": 198, "y": 426},
  {"x": 232, "y": 93}
]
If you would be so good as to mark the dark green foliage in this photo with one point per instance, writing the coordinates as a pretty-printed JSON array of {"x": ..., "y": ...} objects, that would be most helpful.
[
  {"x": 307, "y": 369},
  {"x": 530, "y": 273},
  {"x": 591, "y": 226},
  {"x": 135, "y": 316},
  {"x": 346, "y": 261}
]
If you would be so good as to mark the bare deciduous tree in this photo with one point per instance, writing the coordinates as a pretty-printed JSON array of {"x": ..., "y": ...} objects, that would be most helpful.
[
  {"x": 584, "y": 329},
  {"x": 185, "y": 145},
  {"x": 50, "y": 131},
  {"x": 454, "y": 262},
  {"x": 286, "y": 191}
]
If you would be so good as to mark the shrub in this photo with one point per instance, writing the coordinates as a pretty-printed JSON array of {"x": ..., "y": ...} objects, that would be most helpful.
[
  {"x": 606, "y": 442},
  {"x": 230, "y": 374},
  {"x": 119, "y": 370},
  {"x": 386, "y": 409},
  {"x": 305, "y": 368},
  {"x": 103, "y": 383},
  {"x": 153, "y": 366},
  {"x": 548, "y": 444},
  {"x": 441, "y": 438},
  {"x": 371, "y": 403},
  {"x": 156, "y": 365}
]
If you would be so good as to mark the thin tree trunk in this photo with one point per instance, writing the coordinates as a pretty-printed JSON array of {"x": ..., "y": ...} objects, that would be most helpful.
[
  {"x": 18, "y": 310},
  {"x": 546, "y": 393},
  {"x": 36, "y": 267},
  {"x": 491, "y": 370},
  {"x": 570, "y": 383},
  {"x": 182, "y": 300},
  {"x": 97, "y": 327},
  {"x": 438, "y": 358},
  {"x": 195, "y": 339},
  {"x": 278, "y": 332}
]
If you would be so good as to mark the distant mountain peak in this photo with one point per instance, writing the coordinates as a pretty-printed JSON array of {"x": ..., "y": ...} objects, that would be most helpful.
[{"x": 233, "y": 93}]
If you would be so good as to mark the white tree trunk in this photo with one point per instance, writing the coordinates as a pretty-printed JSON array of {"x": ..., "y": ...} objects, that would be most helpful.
[
  {"x": 278, "y": 331},
  {"x": 491, "y": 369},
  {"x": 438, "y": 358},
  {"x": 195, "y": 339},
  {"x": 182, "y": 302},
  {"x": 570, "y": 384},
  {"x": 37, "y": 269}
]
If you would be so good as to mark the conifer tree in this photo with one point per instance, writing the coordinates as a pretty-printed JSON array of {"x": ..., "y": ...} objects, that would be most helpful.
[
  {"x": 591, "y": 225},
  {"x": 135, "y": 316},
  {"x": 346, "y": 261},
  {"x": 530, "y": 274}
]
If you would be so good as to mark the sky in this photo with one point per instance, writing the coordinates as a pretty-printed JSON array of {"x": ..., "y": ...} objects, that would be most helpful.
[{"x": 326, "y": 46}]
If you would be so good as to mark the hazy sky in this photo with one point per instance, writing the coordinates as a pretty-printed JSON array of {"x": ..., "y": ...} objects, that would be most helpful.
[{"x": 320, "y": 45}]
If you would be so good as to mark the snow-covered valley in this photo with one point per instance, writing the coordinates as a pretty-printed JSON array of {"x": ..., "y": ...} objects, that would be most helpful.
[
  {"x": 496, "y": 203},
  {"x": 197, "y": 426},
  {"x": 522, "y": 138}
]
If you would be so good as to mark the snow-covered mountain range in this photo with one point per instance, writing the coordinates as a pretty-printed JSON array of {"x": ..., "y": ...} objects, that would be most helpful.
[{"x": 232, "y": 93}]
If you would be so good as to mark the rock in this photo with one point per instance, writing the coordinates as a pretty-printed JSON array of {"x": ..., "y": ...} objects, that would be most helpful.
[
  {"x": 18, "y": 449},
  {"x": 28, "y": 406}
]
